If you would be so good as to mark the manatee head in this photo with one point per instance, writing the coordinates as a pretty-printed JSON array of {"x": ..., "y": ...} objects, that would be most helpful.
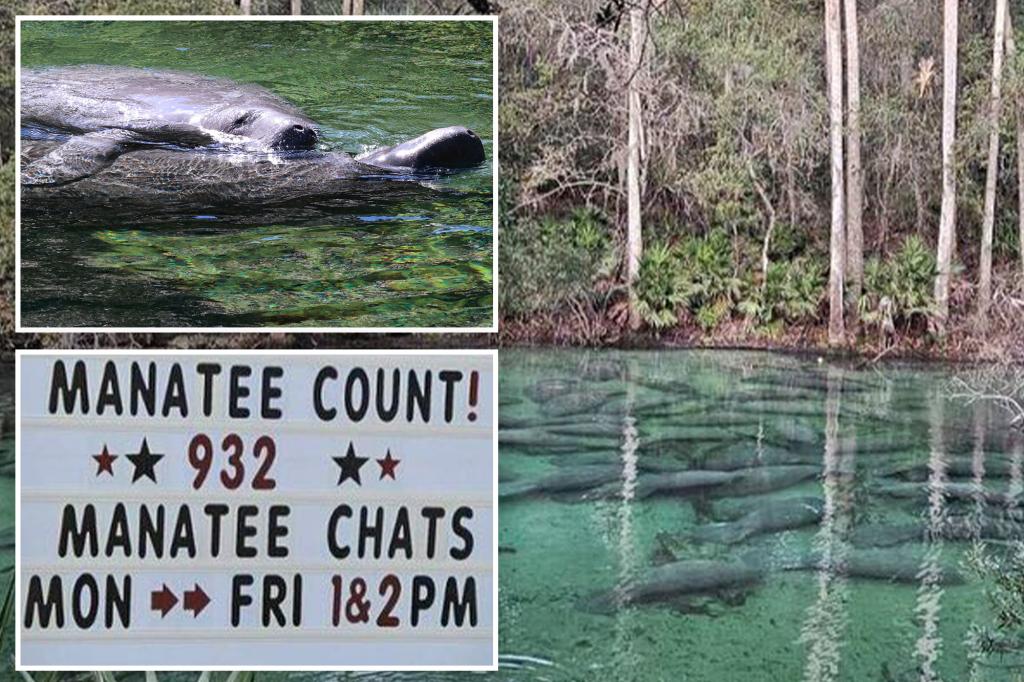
[
  {"x": 274, "y": 128},
  {"x": 451, "y": 147}
]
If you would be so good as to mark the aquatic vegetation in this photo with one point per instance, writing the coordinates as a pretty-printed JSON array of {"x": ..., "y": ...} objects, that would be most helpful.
[{"x": 317, "y": 274}]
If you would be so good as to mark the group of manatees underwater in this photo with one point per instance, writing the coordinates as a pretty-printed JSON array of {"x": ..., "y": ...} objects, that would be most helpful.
[
  {"x": 868, "y": 493},
  {"x": 103, "y": 136}
]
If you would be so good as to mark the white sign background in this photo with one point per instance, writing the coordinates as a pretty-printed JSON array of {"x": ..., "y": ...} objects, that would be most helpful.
[{"x": 440, "y": 464}]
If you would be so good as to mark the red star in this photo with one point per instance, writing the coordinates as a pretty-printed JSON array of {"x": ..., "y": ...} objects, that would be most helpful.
[
  {"x": 388, "y": 466},
  {"x": 105, "y": 460}
]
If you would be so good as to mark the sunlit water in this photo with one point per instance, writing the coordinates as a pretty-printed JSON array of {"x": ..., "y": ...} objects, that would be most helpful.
[
  {"x": 393, "y": 259},
  {"x": 874, "y": 451}
]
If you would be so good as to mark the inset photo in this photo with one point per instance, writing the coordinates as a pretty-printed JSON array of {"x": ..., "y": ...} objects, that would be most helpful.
[{"x": 209, "y": 174}]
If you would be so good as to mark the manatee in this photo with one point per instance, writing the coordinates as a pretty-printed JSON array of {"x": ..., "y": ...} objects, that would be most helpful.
[
  {"x": 896, "y": 566},
  {"x": 109, "y": 110},
  {"x": 668, "y": 583},
  {"x": 541, "y": 440},
  {"x": 759, "y": 480},
  {"x": 672, "y": 483},
  {"x": 955, "y": 467},
  {"x": 546, "y": 389},
  {"x": 746, "y": 455},
  {"x": 195, "y": 180},
  {"x": 954, "y": 528},
  {"x": 773, "y": 516},
  {"x": 578, "y": 479},
  {"x": 950, "y": 491}
]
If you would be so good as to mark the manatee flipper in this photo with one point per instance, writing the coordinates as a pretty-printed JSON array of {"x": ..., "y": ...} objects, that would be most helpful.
[{"x": 79, "y": 157}]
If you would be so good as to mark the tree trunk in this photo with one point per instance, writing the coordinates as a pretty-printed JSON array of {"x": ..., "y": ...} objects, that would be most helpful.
[
  {"x": 246, "y": 6},
  {"x": 989, "y": 219},
  {"x": 854, "y": 174},
  {"x": 837, "y": 247},
  {"x": 947, "y": 220},
  {"x": 1011, "y": 53},
  {"x": 353, "y": 7},
  {"x": 634, "y": 240},
  {"x": 296, "y": 6}
]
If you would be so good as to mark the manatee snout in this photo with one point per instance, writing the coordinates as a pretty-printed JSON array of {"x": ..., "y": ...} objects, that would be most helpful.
[
  {"x": 456, "y": 147},
  {"x": 451, "y": 147},
  {"x": 296, "y": 136}
]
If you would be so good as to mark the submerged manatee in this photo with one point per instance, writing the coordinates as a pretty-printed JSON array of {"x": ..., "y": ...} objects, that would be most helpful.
[
  {"x": 108, "y": 110},
  {"x": 669, "y": 583},
  {"x": 765, "y": 479},
  {"x": 896, "y": 566},
  {"x": 771, "y": 517}
]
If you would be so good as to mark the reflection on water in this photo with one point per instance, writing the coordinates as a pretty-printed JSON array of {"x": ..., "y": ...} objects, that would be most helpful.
[
  {"x": 771, "y": 518},
  {"x": 414, "y": 252},
  {"x": 738, "y": 516}
]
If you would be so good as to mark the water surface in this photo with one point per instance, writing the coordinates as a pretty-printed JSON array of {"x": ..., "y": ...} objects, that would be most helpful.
[
  {"x": 879, "y": 450},
  {"x": 394, "y": 258}
]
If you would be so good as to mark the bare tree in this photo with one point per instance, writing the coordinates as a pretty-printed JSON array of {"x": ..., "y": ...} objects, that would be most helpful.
[
  {"x": 854, "y": 172},
  {"x": 834, "y": 66},
  {"x": 634, "y": 236},
  {"x": 947, "y": 219},
  {"x": 989, "y": 218},
  {"x": 1011, "y": 53}
]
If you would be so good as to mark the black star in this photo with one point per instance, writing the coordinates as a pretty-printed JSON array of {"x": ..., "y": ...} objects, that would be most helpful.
[
  {"x": 144, "y": 461},
  {"x": 350, "y": 465}
]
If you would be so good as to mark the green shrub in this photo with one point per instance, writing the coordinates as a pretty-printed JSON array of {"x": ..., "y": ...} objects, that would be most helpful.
[
  {"x": 708, "y": 271},
  {"x": 658, "y": 287},
  {"x": 548, "y": 261},
  {"x": 899, "y": 289},
  {"x": 792, "y": 292}
]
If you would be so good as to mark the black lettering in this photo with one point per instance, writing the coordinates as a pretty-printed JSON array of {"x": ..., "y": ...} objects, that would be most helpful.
[
  {"x": 450, "y": 377},
  {"x": 276, "y": 530},
  {"x": 368, "y": 530},
  {"x": 110, "y": 391},
  {"x": 338, "y": 551},
  {"x": 432, "y": 515},
  {"x": 245, "y": 530},
  {"x": 357, "y": 412},
  {"x": 208, "y": 370},
  {"x": 174, "y": 396},
  {"x": 49, "y": 607},
  {"x": 459, "y": 528},
  {"x": 419, "y": 396},
  {"x": 216, "y": 512},
  {"x": 70, "y": 395},
  {"x": 423, "y": 592},
  {"x": 78, "y": 535},
  {"x": 270, "y": 392},
  {"x": 143, "y": 388},
  {"x": 238, "y": 600},
  {"x": 452, "y": 606},
  {"x": 323, "y": 375},
  {"x": 237, "y": 392}
]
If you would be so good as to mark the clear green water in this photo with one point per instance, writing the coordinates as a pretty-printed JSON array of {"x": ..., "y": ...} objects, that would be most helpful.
[
  {"x": 569, "y": 412},
  {"x": 398, "y": 259}
]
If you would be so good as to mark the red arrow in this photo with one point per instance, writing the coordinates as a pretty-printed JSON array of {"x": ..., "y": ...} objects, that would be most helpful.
[
  {"x": 196, "y": 600},
  {"x": 162, "y": 601}
]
